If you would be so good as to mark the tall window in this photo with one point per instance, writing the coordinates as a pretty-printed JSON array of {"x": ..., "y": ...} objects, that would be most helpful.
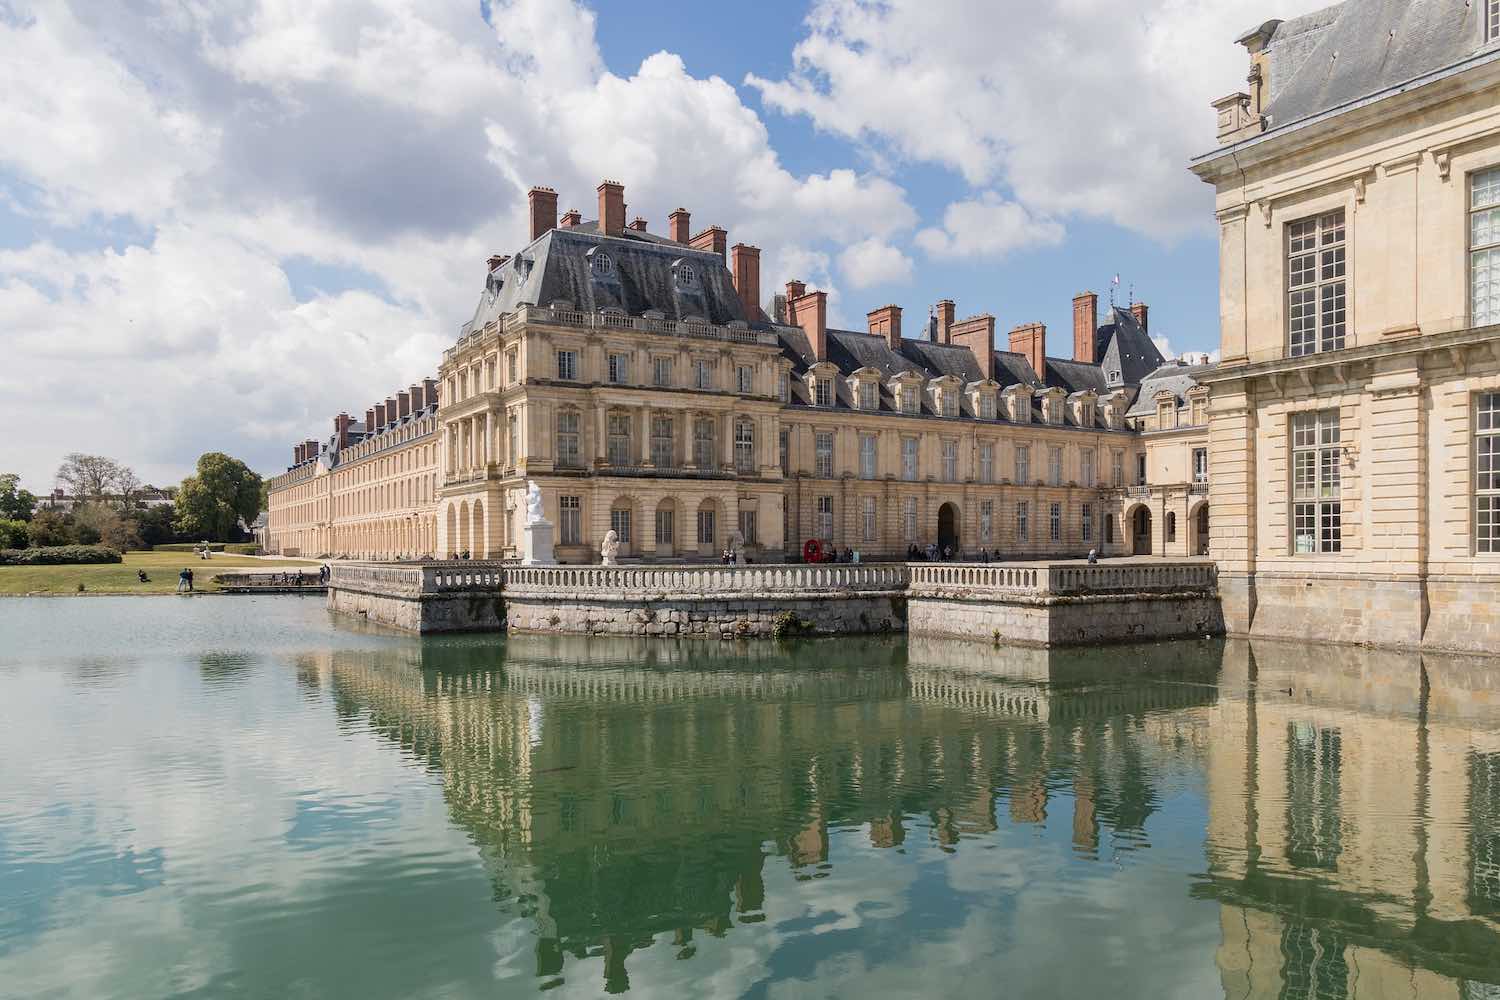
[
  {"x": 571, "y": 528},
  {"x": 823, "y": 391},
  {"x": 1140, "y": 469},
  {"x": 823, "y": 454},
  {"x": 567, "y": 440},
  {"x": 909, "y": 459},
  {"x": 619, "y": 368},
  {"x": 1317, "y": 513},
  {"x": 618, "y": 444},
  {"x": 661, "y": 371},
  {"x": 1023, "y": 464},
  {"x": 867, "y": 519},
  {"x": 911, "y": 400},
  {"x": 567, "y": 365},
  {"x": 747, "y": 525},
  {"x": 1086, "y": 467},
  {"x": 987, "y": 521},
  {"x": 1054, "y": 466},
  {"x": 1484, "y": 243},
  {"x": 869, "y": 396},
  {"x": 784, "y": 387},
  {"x": 909, "y": 519},
  {"x": 703, "y": 374},
  {"x": 1491, "y": 20},
  {"x": 664, "y": 526},
  {"x": 948, "y": 403},
  {"x": 662, "y": 441},
  {"x": 706, "y": 526},
  {"x": 950, "y": 461},
  {"x": 1086, "y": 522},
  {"x": 1023, "y": 517},
  {"x": 744, "y": 446},
  {"x": 867, "y": 456},
  {"x": 1117, "y": 469},
  {"x": 1316, "y": 293},
  {"x": 986, "y": 406},
  {"x": 512, "y": 365},
  {"x": 1487, "y": 473},
  {"x": 1054, "y": 522},
  {"x": 704, "y": 444},
  {"x": 513, "y": 437},
  {"x": 786, "y": 452},
  {"x": 825, "y": 518},
  {"x": 619, "y": 520},
  {"x": 744, "y": 377},
  {"x": 987, "y": 463},
  {"x": 1200, "y": 465}
]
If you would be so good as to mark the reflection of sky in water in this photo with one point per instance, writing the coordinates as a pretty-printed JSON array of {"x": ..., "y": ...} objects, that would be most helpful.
[{"x": 227, "y": 798}]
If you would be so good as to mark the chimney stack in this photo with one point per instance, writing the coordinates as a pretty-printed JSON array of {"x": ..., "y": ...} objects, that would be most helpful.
[
  {"x": 678, "y": 225},
  {"x": 886, "y": 322},
  {"x": 1141, "y": 311},
  {"x": 341, "y": 430},
  {"x": 1030, "y": 339},
  {"x": 977, "y": 333},
  {"x": 430, "y": 391},
  {"x": 312, "y": 450},
  {"x": 611, "y": 208},
  {"x": 380, "y": 418},
  {"x": 403, "y": 404},
  {"x": 543, "y": 202},
  {"x": 572, "y": 218},
  {"x": 713, "y": 239},
  {"x": 638, "y": 224},
  {"x": 945, "y": 308},
  {"x": 297, "y": 454},
  {"x": 496, "y": 260},
  {"x": 369, "y": 422},
  {"x": 811, "y": 312},
  {"x": 744, "y": 268},
  {"x": 390, "y": 409},
  {"x": 1085, "y": 323},
  {"x": 794, "y": 290},
  {"x": 415, "y": 393}
]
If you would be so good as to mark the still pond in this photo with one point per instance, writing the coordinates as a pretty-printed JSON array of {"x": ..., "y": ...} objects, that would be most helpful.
[{"x": 244, "y": 797}]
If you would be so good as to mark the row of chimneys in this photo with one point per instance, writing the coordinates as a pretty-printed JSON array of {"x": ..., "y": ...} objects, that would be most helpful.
[
  {"x": 408, "y": 401},
  {"x": 809, "y": 310},
  {"x": 743, "y": 259}
]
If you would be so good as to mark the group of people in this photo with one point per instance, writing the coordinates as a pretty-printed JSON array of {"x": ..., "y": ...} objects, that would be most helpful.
[{"x": 943, "y": 553}]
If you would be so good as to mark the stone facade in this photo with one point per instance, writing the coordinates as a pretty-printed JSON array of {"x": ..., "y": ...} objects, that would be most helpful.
[{"x": 1359, "y": 352}]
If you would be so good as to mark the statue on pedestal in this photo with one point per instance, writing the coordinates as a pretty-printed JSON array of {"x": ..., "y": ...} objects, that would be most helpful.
[
  {"x": 533, "y": 502},
  {"x": 736, "y": 548},
  {"x": 537, "y": 549},
  {"x": 609, "y": 551}
]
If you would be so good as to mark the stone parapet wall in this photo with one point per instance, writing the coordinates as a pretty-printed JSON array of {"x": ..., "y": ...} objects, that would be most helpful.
[
  {"x": 1071, "y": 621},
  {"x": 757, "y": 616}
]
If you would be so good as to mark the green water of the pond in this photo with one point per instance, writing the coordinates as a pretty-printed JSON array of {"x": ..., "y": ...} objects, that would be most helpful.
[{"x": 246, "y": 797}]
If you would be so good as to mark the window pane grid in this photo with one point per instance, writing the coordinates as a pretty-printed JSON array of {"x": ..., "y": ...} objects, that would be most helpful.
[
  {"x": 1484, "y": 244},
  {"x": 1487, "y": 473},
  {"x": 1317, "y": 296},
  {"x": 1317, "y": 513}
]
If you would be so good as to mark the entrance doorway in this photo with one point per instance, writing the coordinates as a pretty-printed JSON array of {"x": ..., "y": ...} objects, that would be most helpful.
[
  {"x": 1140, "y": 531},
  {"x": 1202, "y": 523},
  {"x": 947, "y": 528}
]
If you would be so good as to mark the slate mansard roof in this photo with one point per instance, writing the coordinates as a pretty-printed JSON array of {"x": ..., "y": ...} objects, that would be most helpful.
[
  {"x": 645, "y": 272},
  {"x": 1178, "y": 379},
  {"x": 1360, "y": 48}
]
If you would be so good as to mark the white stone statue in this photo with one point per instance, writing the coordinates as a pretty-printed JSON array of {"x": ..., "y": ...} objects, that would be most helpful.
[
  {"x": 533, "y": 502},
  {"x": 610, "y": 550}
]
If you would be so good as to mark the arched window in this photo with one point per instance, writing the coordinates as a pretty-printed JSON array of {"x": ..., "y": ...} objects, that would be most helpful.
[
  {"x": 1171, "y": 526},
  {"x": 683, "y": 274},
  {"x": 602, "y": 265}
]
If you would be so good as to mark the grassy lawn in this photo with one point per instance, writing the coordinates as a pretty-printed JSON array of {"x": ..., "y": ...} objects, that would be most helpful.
[{"x": 120, "y": 578}]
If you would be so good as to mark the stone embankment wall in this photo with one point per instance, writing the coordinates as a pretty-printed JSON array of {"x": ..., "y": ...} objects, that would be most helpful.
[
  {"x": 432, "y": 597},
  {"x": 717, "y": 602}
]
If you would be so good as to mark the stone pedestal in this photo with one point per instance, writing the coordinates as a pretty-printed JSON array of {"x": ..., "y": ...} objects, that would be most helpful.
[{"x": 538, "y": 544}]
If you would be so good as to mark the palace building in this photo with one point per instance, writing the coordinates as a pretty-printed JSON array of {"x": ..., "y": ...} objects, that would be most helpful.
[
  {"x": 1354, "y": 452},
  {"x": 648, "y": 386}
]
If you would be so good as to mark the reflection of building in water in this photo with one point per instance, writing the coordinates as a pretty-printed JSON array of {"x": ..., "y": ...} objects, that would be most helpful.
[
  {"x": 1353, "y": 826},
  {"x": 638, "y": 798}
]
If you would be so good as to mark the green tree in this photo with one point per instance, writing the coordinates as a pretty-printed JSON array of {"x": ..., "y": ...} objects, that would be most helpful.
[
  {"x": 216, "y": 496},
  {"x": 154, "y": 525},
  {"x": 13, "y": 534},
  {"x": 16, "y": 504},
  {"x": 98, "y": 524},
  {"x": 49, "y": 527}
]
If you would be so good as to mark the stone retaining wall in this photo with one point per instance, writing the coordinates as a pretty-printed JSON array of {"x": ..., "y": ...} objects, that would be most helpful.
[
  {"x": 1069, "y": 621},
  {"x": 755, "y": 616}
]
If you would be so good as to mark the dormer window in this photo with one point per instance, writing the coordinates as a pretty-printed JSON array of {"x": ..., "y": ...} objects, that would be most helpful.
[
  {"x": 986, "y": 406},
  {"x": 869, "y": 396},
  {"x": 601, "y": 264},
  {"x": 823, "y": 391},
  {"x": 948, "y": 402},
  {"x": 1114, "y": 378},
  {"x": 683, "y": 274}
]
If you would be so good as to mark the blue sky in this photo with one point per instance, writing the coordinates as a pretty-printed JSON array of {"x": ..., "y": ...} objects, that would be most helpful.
[{"x": 222, "y": 223}]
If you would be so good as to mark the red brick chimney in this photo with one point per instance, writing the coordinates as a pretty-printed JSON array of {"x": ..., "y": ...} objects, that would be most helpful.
[
  {"x": 977, "y": 333},
  {"x": 543, "y": 202},
  {"x": 496, "y": 260},
  {"x": 380, "y": 418},
  {"x": 390, "y": 410},
  {"x": 794, "y": 290},
  {"x": 1085, "y": 322},
  {"x": 403, "y": 404},
  {"x": 638, "y": 224},
  {"x": 430, "y": 391},
  {"x": 369, "y": 422},
  {"x": 1141, "y": 311},
  {"x": 415, "y": 392},
  {"x": 297, "y": 454},
  {"x": 744, "y": 268},
  {"x": 944, "y": 311},
  {"x": 572, "y": 218},
  {"x": 312, "y": 450},
  {"x": 713, "y": 239},
  {"x": 886, "y": 322},
  {"x": 678, "y": 225},
  {"x": 812, "y": 317},
  {"x": 1030, "y": 339},
  {"x": 611, "y": 208},
  {"x": 341, "y": 430}
]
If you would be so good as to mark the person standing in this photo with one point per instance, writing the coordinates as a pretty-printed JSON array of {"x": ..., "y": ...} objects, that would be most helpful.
[{"x": 184, "y": 580}]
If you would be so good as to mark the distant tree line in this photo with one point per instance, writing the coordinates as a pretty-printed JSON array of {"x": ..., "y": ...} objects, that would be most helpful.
[{"x": 108, "y": 505}]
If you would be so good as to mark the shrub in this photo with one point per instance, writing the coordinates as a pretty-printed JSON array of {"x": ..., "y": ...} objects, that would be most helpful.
[
  {"x": 242, "y": 549},
  {"x": 49, "y": 527},
  {"x": 188, "y": 547},
  {"x": 13, "y": 534},
  {"x": 59, "y": 555}
]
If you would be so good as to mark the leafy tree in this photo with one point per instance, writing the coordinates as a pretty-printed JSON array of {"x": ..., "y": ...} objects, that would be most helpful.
[
  {"x": 16, "y": 504},
  {"x": 13, "y": 534},
  {"x": 49, "y": 527},
  {"x": 154, "y": 525},
  {"x": 96, "y": 479},
  {"x": 216, "y": 496},
  {"x": 97, "y": 524}
]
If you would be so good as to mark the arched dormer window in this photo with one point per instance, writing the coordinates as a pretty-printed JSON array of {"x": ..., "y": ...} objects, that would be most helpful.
[
  {"x": 601, "y": 264},
  {"x": 684, "y": 275}
]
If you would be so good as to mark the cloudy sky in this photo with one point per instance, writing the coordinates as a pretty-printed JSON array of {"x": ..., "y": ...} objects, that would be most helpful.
[{"x": 222, "y": 221}]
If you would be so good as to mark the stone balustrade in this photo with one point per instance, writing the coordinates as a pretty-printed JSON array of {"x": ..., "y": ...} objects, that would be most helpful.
[
  {"x": 1049, "y": 580},
  {"x": 722, "y": 582}
]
